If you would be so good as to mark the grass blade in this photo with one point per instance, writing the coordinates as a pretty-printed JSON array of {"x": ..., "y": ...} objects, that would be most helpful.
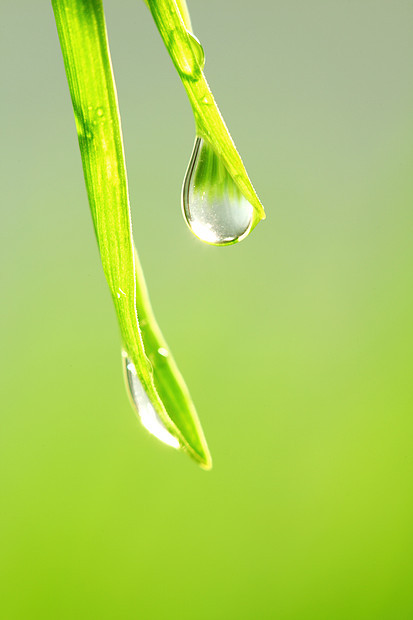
[{"x": 82, "y": 33}]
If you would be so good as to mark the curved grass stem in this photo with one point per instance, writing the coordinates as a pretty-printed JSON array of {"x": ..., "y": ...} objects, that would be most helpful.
[{"x": 83, "y": 39}]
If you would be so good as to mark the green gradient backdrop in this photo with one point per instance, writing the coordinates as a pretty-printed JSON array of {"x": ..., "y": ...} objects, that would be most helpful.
[{"x": 297, "y": 344}]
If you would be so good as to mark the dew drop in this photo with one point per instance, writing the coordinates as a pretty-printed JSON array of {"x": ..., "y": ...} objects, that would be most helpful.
[
  {"x": 197, "y": 49},
  {"x": 214, "y": 207},
  {"x": 147, "y": 414},
  {"x": 188, "y": 55}
]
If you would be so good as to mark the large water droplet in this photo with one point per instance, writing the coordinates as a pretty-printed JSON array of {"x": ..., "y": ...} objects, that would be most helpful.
[
  {"x": 214, "y": 207},
  {"x": 147, "y": 414}
]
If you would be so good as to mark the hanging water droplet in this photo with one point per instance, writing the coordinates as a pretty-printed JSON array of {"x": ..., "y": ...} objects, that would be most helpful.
[
  {"x": 147, "y": 414},
  {"x": 214, "y": 207}
]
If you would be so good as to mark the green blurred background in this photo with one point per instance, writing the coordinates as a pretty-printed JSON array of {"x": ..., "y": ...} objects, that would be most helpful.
[{"x": 297, "y": 344}]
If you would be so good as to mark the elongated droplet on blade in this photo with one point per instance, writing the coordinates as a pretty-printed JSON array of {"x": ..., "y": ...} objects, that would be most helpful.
[
  {"x": 214, "y": 207},
  {"x": 146, "y": 412}
]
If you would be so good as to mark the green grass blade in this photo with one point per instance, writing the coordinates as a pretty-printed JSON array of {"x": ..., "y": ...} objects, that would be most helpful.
[{"x": 82, "y": 33}]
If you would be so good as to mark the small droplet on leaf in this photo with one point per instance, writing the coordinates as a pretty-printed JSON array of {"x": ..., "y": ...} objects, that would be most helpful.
[
  {"x": 188, "y": 55},
  {"x": 198, "y": 50}
]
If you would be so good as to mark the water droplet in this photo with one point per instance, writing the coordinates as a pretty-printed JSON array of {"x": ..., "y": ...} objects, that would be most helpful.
[
  {"x": 99, "y": 111},
  {"x": 198, "y": 50},
  {"x": 214, "y": 207},
  {"x": 147, "y": 414},
  {"x": 188, "y": 55}
]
